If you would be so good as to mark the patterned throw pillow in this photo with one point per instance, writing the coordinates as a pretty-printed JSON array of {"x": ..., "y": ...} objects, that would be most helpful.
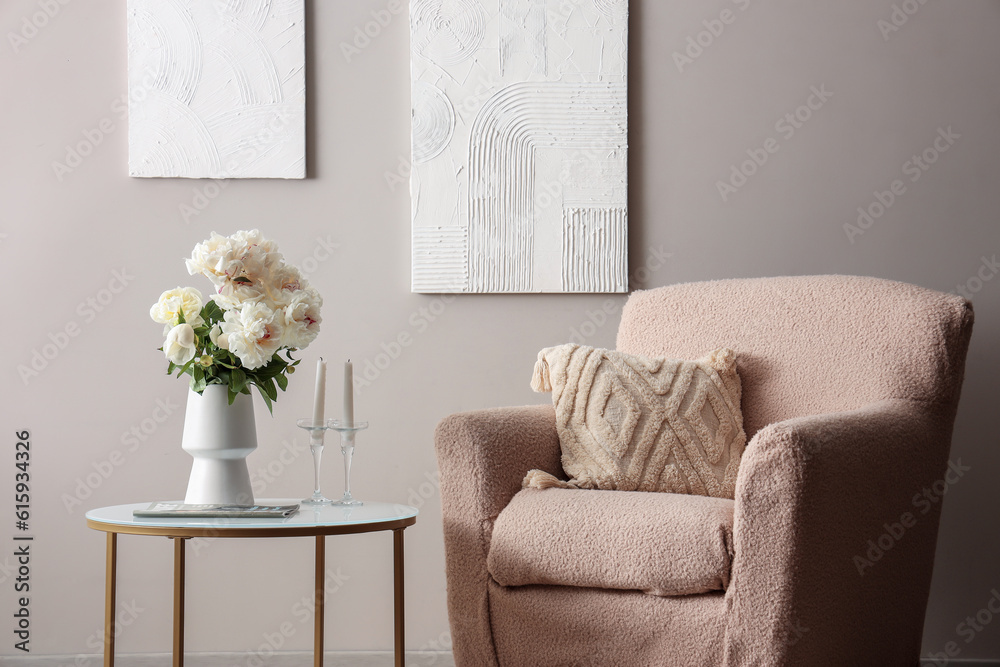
[{"x": 629, "y": 423}]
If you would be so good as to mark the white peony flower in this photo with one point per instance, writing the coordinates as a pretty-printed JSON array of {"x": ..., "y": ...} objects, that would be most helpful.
[
  {"x": 302, "y": 318},
  {"x": 217, "y": 259},
  {"x": 218, "y": 338},
  {"x": 286, "y": 281},
  {"x": 240, "y": 265},
  {"x": 259, "y": 256},
  {"x": 233, "y": 295},
  {"x": 254, "y": 333},
  {"x": 180, "y": 344},
  {"x": 173, "y": 302}
]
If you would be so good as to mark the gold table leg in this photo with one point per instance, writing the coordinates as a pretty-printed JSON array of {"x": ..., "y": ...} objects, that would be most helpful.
[
  {"x": 178, "y": 601},
  {"x": 320, "y": 600},
  {"x": 109, "y": 600},
  {"x": 397, "y": 557}
]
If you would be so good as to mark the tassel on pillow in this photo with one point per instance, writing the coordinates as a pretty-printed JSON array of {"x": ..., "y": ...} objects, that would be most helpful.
[
  {"x": 540, "y": 380},
  {"x": 722, "y": 360},
  {"x": 538, "y": 479}
]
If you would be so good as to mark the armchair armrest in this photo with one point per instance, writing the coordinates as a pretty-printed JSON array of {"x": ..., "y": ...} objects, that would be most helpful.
[
  {"x": 834, "y": 536},
  {"x": 483, "y": 457}
]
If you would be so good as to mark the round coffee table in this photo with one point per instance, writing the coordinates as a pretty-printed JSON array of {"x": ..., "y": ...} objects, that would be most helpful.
[{"x": 309, "y": 521}]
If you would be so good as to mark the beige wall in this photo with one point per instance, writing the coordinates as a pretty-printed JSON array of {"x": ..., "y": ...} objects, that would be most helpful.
[{"x": 63, "y": 240}]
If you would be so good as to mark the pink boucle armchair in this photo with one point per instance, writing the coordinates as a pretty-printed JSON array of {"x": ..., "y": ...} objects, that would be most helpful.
[{"x": 850, "y": 388}]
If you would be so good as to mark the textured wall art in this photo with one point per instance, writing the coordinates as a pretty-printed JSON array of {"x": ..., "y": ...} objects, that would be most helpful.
[
  {"x": 216, "y": 88},
  {"x": 519, "y": 114}
]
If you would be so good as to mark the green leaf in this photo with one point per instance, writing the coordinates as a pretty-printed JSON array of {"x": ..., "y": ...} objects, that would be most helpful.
[
  {"x": 282, "y": 381},
  {"x": 238, "y": 380},
  {"x": 198, "y": 382},
  {"x": 211, "y": 311},
  {"x": 268, "y": 386},
  {"x": 267, "y": 399},
  {"x": 232, "y": 394},
  {"x": 273, "y": 368}
]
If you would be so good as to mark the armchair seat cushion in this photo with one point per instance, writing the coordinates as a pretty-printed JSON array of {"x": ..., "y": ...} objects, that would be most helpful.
[{"x": 661, "y": 543}]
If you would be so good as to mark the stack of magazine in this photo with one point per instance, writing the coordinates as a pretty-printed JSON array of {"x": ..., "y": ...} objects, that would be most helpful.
[{"x": 166, "y": 510}]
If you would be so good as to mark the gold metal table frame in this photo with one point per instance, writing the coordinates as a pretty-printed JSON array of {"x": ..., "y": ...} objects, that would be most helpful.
[{"x": 233, "y": 528}]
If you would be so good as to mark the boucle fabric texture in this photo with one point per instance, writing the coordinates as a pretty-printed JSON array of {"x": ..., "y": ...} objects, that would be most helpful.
[
  {"x": 563, "y": 626},
  {"x": 850, "y": 387},
  {"x": 809, "y": 344},
  {"x": 631, "y": 423},
  {"x": 483, "y": 457},
  {"x": 659, "y": 543}
]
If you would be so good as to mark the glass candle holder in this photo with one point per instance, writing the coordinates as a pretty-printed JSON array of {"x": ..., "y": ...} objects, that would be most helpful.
[
  {"x": 317, "y": 431},
  {"x": 347, "y": 433}
]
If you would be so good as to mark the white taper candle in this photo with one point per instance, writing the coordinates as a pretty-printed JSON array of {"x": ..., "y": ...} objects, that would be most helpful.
[
  {"x": 349, "y": 393},
  {"x": 320, "y": 402}
]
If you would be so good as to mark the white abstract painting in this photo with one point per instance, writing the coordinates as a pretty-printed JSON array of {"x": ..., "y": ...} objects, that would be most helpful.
[
  {"x": 519, "y": 145},
  {"x": 216, "y": 88}
]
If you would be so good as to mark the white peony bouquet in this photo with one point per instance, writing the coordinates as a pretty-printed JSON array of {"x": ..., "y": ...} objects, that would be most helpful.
[{"x": 262, "y": 307}]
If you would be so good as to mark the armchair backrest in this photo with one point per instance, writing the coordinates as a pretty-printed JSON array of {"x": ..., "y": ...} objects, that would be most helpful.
[{"x": 810, "y": 344}]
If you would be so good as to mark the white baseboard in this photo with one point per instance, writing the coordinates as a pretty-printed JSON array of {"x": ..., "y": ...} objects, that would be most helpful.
[{"x": 279, "y": 659}]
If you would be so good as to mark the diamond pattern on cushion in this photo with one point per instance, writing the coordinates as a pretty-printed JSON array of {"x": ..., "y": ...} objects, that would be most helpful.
[
  {"x": 613, "y": 417},
  {"x": 629, "y": 423}
]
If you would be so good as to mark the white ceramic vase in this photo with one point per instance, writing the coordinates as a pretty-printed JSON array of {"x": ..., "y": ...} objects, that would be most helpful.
[{"x": 220, "y": 437}]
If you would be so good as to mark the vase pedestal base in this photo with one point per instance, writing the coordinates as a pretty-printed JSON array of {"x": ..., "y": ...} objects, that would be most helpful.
[{"x": 219, "y": 482}]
